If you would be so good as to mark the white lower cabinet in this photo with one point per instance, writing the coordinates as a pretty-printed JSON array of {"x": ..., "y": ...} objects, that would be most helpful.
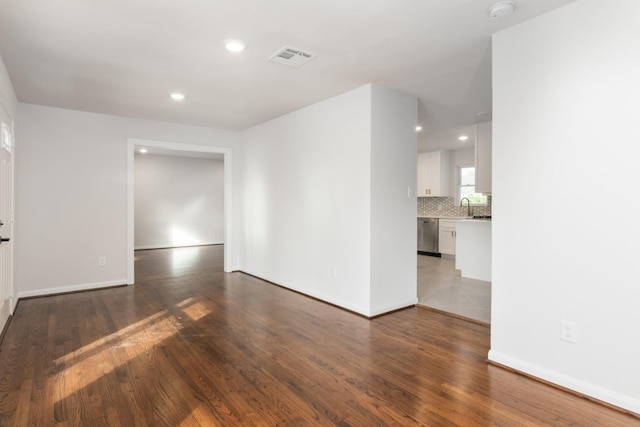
[
  {"x": 474, "y": 249},
  {"x": 447, "y": 238}
]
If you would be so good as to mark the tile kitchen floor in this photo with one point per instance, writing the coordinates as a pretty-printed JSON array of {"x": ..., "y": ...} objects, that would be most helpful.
[{"x": 440, "y": 286}]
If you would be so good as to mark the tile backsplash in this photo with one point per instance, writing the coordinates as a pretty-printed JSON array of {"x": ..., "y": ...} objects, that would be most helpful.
[{"x": 444, "y": 206}]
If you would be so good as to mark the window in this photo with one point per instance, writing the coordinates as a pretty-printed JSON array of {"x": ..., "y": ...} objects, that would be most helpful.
[{"x": 467, "y": 186}]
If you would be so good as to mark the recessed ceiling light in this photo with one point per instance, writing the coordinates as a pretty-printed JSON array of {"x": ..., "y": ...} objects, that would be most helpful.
[
  {"x": 177, "y": 96},
  {"x": 143, "y": 150},
  {"x": 463, "y": 137},
  {"x": 418, "y": 128},
  {"x": 234, "y": 45}
]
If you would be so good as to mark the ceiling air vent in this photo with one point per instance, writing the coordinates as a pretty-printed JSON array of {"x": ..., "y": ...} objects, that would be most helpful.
[{"x": 292, "y": 56}]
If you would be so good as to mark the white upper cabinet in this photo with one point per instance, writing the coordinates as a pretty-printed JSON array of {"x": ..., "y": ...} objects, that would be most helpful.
[
  {"x": 483, "y": 157},
  {"x": 433, "y": 174}
]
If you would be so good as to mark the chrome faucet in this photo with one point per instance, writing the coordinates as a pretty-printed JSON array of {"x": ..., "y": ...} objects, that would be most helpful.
[{"x": 469, "y": 213}]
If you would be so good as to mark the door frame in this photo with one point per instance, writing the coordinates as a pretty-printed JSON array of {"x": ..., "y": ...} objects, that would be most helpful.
[
  {"x": 176, "y": 146},
  {"x": 10, "y": 221}
]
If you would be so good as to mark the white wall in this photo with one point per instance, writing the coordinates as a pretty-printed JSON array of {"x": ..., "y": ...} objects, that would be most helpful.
[
  {"x": 179, "y": 201},
  {"x": 72, "y": 194},
  {"x": 7, "y": 94},
  {"x": 308, "y": 199},
  {"x": 483, "y": 156},
  {"x": 565, "y": 134},
  {"x": 393, "y": 201}
]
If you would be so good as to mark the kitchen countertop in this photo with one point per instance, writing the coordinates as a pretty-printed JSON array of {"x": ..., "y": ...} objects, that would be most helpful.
[{"x": 445, "y": 217}]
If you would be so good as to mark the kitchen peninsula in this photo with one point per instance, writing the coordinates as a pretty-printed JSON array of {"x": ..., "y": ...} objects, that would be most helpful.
[{"x": 473, "y": 248}]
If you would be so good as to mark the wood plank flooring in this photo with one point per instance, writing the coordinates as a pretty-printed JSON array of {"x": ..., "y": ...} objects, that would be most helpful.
[{"x": 190, "y": 345}]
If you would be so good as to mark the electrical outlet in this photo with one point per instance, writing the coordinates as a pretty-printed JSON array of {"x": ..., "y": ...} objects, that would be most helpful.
[
  {"x": 569, "y": 331},
  {"x": 335, "y": 272},
  {"x": 102, "y": 261}
]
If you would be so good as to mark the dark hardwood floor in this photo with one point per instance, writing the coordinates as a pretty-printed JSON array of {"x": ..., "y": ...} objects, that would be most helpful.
[{"x": 191, "y": 345}]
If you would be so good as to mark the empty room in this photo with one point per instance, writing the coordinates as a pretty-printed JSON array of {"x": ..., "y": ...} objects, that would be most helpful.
[{"x": 353, "y": 213}]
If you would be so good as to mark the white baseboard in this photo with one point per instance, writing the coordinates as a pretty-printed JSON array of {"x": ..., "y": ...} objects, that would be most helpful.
[
  {"x": 389, "y": 308},
  {"x": 144, "y": 247},
  {"x": 5, "y": 313},
  {"x": 72, "y": 288},
  {"x": 592, "y": 390},
  {"x": 360, "y": 310}
]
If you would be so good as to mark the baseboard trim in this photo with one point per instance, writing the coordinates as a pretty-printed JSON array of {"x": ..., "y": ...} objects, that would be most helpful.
[
  {"x": 147, "y": 247},
  {"x": 454, "y": 315},
  {"x": 379, "y": 313},
  {"x": 317, "y": 298},
  {"x": 395, "y": 310},
  {"x": 72, "y": 288},
  {"x": 587, "y": 390},
  {"x": 5, "y": 328}
]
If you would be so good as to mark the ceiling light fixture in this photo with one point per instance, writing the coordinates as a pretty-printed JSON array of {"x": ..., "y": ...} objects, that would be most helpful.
[
  {"x": 502, "y": 8},
  {"x": 418, "y": 128},
  {"x": 233, "y": 45},
  {"x": 463, "y": 137},
  {"x": 143, "y": 150},
  {"x": 177, "y": 96}
]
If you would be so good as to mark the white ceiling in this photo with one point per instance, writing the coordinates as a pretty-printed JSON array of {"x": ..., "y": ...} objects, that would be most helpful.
[{"x": 124, "y": 57}]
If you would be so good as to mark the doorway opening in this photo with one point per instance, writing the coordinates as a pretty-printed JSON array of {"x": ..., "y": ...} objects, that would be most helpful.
[
  {"x": 174, "y": 148},
  {"x": 7, "y": 285}
]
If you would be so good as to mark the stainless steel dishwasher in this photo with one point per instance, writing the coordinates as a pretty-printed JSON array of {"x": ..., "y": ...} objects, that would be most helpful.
[{"x": 428, "y": 236}]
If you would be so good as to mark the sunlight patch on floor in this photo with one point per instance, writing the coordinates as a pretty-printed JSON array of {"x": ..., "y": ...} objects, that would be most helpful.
[
  {"x": 184, "y": 257},
  {"x": 195, "y": 310},
  {"x": 123, "y": 346}
]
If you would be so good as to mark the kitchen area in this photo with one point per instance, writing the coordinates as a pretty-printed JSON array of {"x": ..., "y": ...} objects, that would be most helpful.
[{"x": 454, "y": 228}]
